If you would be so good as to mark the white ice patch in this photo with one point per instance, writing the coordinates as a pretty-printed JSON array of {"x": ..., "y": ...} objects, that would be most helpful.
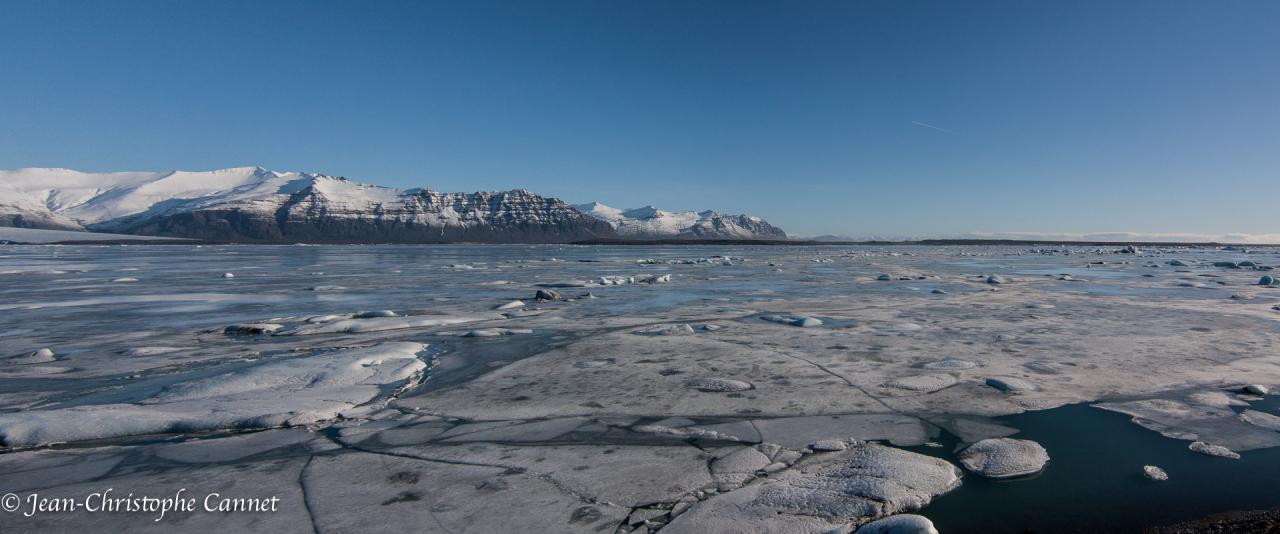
[
  {"x": 375, "y": 324},
  {"x": 288, "y": 392}
]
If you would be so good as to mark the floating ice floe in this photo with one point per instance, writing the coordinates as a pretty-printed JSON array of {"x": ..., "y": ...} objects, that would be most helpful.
[
  {"x": 802, "y": 321},
  {"x": 1154, "y": 473},
  {"x": 899, "y": 524},
  {"x": 1206, "y": 416},
  {"x": 1004, "y": 458},
  {"x": 1261, "y": 419},
  {"x": 923, "y": 383},
  {"x": 1213, "y": 450},
  {"x": 856, "y": 485},
  {"x": 496, "y": 332},
  {"x": 288, "y": 392},
  {"x": 375, "y": 324}
]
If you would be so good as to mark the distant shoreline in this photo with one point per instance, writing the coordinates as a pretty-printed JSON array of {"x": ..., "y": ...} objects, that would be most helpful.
[{"x": 923, "y": 242}]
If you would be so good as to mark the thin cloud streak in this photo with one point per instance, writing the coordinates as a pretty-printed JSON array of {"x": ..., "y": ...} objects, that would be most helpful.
[{"x": 932, "y": 127}]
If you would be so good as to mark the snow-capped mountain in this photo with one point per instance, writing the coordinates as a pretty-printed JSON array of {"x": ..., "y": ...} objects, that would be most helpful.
[
  {"x": 251, "y": 204},
  {"x": 652, "y": 223},
  {"x": 256, "y": 205}
]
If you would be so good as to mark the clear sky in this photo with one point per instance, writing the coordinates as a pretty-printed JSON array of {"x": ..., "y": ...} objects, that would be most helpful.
[{"x": 865, "y": 118}]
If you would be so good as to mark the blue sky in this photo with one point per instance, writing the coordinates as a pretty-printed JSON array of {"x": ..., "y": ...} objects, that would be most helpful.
[{"x": 866, "y": 118}]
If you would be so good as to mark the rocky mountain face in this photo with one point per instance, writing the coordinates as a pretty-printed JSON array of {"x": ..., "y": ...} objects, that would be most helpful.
[{"x": 256, "y": 205}]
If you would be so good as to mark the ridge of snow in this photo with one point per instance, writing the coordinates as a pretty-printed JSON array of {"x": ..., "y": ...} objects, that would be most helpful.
[{"x": 650, "y": 221}]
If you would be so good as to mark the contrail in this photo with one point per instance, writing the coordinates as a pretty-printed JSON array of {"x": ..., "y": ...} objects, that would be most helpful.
[{"x": 926, "y": 125}]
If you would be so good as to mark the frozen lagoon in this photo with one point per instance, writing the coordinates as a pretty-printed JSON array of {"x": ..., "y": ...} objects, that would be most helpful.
[{"x": 678, "y": 404}]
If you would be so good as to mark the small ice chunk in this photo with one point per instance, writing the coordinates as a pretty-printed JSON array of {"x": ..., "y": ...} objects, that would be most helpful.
[
  {"x": 373, "y": 314},
  {"x": 668, "y": 330},
  {"x": 802, "y": 321},
  {"x": 1213, "y": 450},
  {"x": 717, "y": 385},
  {"x": 828, "y": 445},
  {"x": 742, "y": 460},
  {"x": 496, "y": 332},
  {"x": 150, "y": 351},
  {"x": 326, "y": 288},
  {"x": 252, "y": 329},
  {"x": 44, "y": 355},
  {"x": 1011, "y": 385},
  {"x": 899, "y": 524},
  {"x": 228, "y": 275},
  {"x": 511, "y": 305},
  {"x": 950, "y": 364},
  {"x": 1155, "y": 473},
  {"x": 376, "y": 324},
  {"x": 923, "y": 383},
  {"x": 1255, "y": 389},
  {"x": 563, "y": 284}
]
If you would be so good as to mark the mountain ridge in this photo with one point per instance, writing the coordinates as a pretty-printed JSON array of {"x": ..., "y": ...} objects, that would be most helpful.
[
  {"x": 253, "y": 204},
  {"x": 649, "y": 222}
]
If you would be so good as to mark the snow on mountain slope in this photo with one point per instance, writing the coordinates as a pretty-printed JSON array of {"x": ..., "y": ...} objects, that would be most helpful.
[
  {"x": 652, "y": 223},
  {"x": 256, "y": 205},
  {"x": 78, "y": 200}
]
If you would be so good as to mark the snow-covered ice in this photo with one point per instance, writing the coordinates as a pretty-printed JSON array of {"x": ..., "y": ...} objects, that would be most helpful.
[{"x": 424, "y": 397}]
